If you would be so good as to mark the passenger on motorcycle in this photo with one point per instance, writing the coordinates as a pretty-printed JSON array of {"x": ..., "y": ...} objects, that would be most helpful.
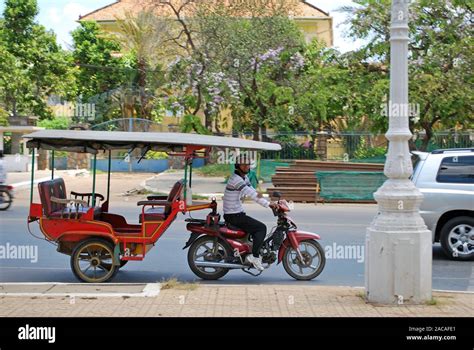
[
  {"x": 3, "y": 175},
  {"x": 238, "y": 187}
]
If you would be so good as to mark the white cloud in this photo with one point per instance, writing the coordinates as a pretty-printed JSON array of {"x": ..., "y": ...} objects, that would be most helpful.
[
  {"x": 73, "y": 10},
  {"x": 53, "y": 15},
  {"x": 62, "y": 19}
]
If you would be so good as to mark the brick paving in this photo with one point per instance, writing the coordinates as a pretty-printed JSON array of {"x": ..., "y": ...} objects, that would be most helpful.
[{"x": 234, "y": 301}]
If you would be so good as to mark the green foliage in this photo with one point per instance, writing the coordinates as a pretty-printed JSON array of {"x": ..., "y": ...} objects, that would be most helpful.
[
  {"x": 142, "y": 36},
  {"x": 192, "y": 123},
  {"x": 217, "y": 170},
  {"x": 364, "y": 152},
  {"x": 98, "y": 71},
  {"x": 3, "y": 117},
  {"x": 33, "y": 66},
  {"x": 156, "y": 155},
  {"x": 232, "y": 60},
  {"x": 257, "y": 57},
  {"x": 19, "y": 18},
  {"x": 57, "y": 123},
  {"x": 440, "y": 67}
]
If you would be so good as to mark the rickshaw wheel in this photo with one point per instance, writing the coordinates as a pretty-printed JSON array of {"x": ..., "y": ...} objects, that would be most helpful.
[
  {"x": 202, "y": 250},
  {"x": 92, "y": 261}
]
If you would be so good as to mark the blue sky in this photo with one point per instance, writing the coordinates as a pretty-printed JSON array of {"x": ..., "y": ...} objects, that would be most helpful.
[{"x": 61, "y": 17}]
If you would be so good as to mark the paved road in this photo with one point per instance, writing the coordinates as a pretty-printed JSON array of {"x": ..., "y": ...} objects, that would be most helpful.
[{"x": 339, "y": 226}]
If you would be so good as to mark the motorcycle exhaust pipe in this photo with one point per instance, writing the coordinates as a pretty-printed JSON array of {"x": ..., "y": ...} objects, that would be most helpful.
[{"x": 218, "y": 264}]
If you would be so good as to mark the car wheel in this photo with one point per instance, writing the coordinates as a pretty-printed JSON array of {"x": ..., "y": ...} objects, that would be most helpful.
[{"x": 457, "y": 238}]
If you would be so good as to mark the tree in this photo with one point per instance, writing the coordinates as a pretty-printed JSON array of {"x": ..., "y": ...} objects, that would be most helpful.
[
  {"x": 441, "y": 59},
  {"x": 33, "y": 65},
  {"x": 263, "y": 56},
  {"x": 100, "y": 73},
  {"x": 204, "y": 44},
  {"x": 142, "y": 36}
]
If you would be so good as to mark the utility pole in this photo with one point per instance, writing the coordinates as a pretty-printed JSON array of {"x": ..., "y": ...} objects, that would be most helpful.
[{"x": 398, "y": 244}]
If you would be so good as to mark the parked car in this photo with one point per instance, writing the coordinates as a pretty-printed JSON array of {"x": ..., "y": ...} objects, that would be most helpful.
[{"x": 446, "y": 179}]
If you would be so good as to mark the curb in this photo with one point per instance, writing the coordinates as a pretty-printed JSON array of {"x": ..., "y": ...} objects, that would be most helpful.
[{"x": 149, "y": 290}]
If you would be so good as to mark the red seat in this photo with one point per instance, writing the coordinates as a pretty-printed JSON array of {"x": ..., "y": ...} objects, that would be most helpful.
[
  {"x": 231, "y": 231},
  {"x": 161, "y": 212},
  {"x": 56, "y": 188}
]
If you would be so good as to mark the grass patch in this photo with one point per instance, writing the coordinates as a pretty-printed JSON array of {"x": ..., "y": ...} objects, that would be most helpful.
[
  {"x": 173, "y": 283},
  {"x": 213, "y": 170},
  {"x": 361, "y": 295},
  {"x": 432, "y": 302}
]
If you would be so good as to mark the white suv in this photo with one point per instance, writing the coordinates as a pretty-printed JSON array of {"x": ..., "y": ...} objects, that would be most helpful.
[{"x": 446, "y": 179}]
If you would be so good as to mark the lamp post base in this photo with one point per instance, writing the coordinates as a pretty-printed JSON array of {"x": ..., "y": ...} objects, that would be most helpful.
[{"x": 399, "y": 248}]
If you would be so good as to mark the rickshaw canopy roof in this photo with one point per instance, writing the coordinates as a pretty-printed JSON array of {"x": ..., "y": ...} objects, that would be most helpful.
[{"x": 95, "y": 141}]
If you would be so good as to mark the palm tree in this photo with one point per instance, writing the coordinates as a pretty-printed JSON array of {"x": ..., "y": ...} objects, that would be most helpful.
[{"x": 143, "y": 36}]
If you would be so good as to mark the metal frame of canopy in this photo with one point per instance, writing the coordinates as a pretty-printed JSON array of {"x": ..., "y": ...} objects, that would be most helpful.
[{"x": 85, "y": 141}]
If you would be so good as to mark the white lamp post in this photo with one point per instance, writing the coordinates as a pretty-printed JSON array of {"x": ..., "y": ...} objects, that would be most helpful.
[{"x": 398, "y": 244}]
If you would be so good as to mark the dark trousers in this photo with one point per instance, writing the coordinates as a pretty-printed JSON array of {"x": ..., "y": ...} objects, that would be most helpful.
[{"x": 255, "y": 228}]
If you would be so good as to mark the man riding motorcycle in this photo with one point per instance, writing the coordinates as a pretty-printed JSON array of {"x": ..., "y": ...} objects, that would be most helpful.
[
  {"x": 239, "y": 186},
  {"x": 3, "y": 175}
]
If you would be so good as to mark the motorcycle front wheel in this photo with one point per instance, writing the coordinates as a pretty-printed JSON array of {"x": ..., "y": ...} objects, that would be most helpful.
[{"x": 313, "y": 262}]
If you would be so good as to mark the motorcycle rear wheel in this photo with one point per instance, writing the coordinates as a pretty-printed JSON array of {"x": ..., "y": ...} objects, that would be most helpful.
[
  {"x": 202, "y": 250},
  {"x": 313, "y": 262},
  {"x": 6, "y": 201}
]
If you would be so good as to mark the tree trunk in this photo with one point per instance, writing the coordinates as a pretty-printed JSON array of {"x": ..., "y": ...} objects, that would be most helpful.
[
  {"x": 14, "y": 111},
  {"x": 217, "y": 127},
  {"x": 144, "y": 113},
  {"x": 208, "y": 119},
  {"x": 256, "y": 132},
  {"x": 427, "y": 137},
  {"x": 265, "y": 137}
]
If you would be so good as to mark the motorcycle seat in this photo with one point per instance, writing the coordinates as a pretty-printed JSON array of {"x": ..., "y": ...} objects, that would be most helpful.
[{"x": 232, "y": 227}]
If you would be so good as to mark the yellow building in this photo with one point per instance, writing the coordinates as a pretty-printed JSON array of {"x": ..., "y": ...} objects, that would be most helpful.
[{"x": 313, "y": 22}]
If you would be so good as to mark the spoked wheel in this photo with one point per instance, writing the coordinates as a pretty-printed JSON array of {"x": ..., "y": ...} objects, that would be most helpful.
[
  {"x": 92, "y": 261},
  {"x": 208, "y": 249},
  {"x": 312, "y": 264},
  {"x": 5, "y": 200}
]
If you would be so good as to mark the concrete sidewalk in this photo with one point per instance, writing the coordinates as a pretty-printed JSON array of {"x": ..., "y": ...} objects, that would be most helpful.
[{"x": 205, "y": 300}]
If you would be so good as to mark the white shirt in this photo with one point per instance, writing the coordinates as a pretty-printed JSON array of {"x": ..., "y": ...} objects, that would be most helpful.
[{"x": 237, "y": 188}]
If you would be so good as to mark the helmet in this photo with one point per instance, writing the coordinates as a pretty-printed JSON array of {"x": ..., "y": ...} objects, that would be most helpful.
[{"x": 242, "y": 159}]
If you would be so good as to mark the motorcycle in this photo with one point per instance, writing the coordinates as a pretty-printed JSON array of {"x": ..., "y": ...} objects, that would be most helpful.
[
  {"x": 6, "y": 197},
  {"x": 217, "y": 247}
]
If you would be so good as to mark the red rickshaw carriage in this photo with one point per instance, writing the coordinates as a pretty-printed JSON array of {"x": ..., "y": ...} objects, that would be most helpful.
[{"x": 81, "y": 224}]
